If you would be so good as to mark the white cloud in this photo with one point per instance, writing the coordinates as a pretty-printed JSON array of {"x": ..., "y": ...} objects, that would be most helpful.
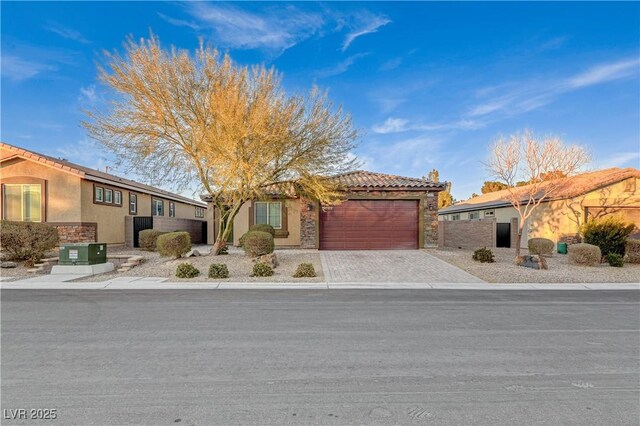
[
  {"x": 399, "y": 125},
  {"x": 18, "y": 69},
  {"x": 88, "y": 94},
  {"x": 369, "y": 24},
  {"x": 275, "y": 31},
  {"x": 341, "y": 66},
  {"x": 604, "y": 72},
  {"x": 66, "y": 32},
  {"x": 620, "y": 159}
]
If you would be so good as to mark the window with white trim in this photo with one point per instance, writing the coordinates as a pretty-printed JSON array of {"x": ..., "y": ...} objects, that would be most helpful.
[
  {"x": 489, "y": 213},
  {"x": 99, "y": 194},
  {"x": 199, "y": 211},
  {"x": 117, "y": 197},
  {"x": 172, "y": 209},
  {"x": 474, "y": 215},
  {"x": 22, "y": 202},
  {"x": 133, "y": 203},
  {"x": 157, "y": 207},
  {"x": 108, "y": 196},
  {"x": 455, "y": 216},
  {"x": 268, "y": 213}
]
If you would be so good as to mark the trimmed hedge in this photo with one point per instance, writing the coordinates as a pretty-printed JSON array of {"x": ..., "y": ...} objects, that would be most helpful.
[
  {"x": 174, "y": 244},
  {"x": 262, "y": 270},
  {"x": 305, "y": 270},
  {"x": 218, "y": 270},
  {"x": 28, "y": 241},
  {"x": 263, "y": 227},
  {"x": 148, "y": 239},
  {"x": 540, "y": 246},
  {"x": 633, "y": 250},
  {"x": 483, "y": 255},
  {"x": 615, "y": 260},
  {"x": 584, "y": 254},
  {"x": 187, "y": 270},
  {"x": 258, "y": 243},
  {"x": 610, "y": 233}
]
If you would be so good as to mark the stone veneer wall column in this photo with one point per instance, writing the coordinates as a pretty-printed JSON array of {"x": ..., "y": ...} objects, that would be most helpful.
[
  {"x": 309, "y": 218},
  {"x": 430, "y": 213},
  {"x": 82, "y": 232},
  {"x": 514, "y": 232}
]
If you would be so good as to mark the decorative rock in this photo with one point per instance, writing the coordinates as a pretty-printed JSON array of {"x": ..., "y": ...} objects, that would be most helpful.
[
  {"x": 193, "y": 253},
  {"x": 8, "y": 265},
  {"x": 269, "y": 259},
  {"x": 532, "y": 261}
]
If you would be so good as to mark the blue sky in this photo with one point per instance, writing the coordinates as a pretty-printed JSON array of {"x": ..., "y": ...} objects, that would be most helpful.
[{"x": 429, "y": 84}]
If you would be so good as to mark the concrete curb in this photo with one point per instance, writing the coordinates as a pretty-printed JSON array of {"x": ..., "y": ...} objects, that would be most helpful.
[{"x": 138, "y": 283}]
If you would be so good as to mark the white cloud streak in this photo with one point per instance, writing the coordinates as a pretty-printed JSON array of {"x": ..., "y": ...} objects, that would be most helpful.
[
  {"x": 66, "y": 32},
  {"x": 370, "y": 25},
  {"x": 400, "y": 125},
  {"x": 341, "y": 67},
  {"x": 18, "y": 69}
]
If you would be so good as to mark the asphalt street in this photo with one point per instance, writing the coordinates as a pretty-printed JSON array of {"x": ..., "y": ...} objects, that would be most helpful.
[{"x": 201, "y": 357}]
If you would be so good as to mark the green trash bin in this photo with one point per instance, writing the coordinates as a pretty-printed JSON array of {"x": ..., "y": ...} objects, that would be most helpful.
[{"x": 562, "y": 248}]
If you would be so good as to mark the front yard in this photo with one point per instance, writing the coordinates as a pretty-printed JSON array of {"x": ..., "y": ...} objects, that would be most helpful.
[
  {"x": 560, "y": 271},
  {"x": 240, "y": 266}
]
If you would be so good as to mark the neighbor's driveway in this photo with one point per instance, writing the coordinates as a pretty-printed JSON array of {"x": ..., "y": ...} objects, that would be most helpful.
[{"x": 390, "y": 266}]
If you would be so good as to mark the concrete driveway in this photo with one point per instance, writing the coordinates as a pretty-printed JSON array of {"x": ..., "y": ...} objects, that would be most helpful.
[{"x": 391, "y": 266}]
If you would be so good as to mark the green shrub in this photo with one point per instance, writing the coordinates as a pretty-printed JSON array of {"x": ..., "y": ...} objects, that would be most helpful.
[
  {"x": 187, "y": 270},
  {"x": 263, "y": 227},
  {"x": 615, "y": 260},
  {"x": 483, "y": 255},
  {"x": 218, "y": 270},
  {"x": 540, "y": 246},
  {"x": 174, "y": 244},
  {"x": 584, "y": 254},
  {"x": 305, "y": 270},
  {"x": 148, "y": 239},
  {"x": 610, "y": 233},
  {"x": 241, "y": 240},
  {"x": 262, "y": 270},
  {"x": 224, "y": 250},
  {"x": 258, "y": 243},
  {"x": 632, "y": 250},
  {"x": 28, "y": 241}
]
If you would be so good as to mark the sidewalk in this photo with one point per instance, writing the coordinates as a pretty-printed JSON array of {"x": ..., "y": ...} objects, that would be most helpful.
[{"x": 147, "y": 283}]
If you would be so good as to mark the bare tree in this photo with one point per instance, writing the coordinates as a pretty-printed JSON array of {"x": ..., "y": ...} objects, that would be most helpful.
[
  {"x": 534, "y": 159},
  {"x": 182, "y": 117}
]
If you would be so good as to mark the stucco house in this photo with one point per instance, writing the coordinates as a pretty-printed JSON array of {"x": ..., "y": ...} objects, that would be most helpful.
[
  {"x": 88, "y": 205},
  {"x": 380, "y": 211},
  {"x": 491, "y": 221}
]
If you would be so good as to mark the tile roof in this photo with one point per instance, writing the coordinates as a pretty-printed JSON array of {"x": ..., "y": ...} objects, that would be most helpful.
[
  {"x": 365, "y": 179},
  {"x": 94, "y": 175},
  {"x": 569, "y": 187}
]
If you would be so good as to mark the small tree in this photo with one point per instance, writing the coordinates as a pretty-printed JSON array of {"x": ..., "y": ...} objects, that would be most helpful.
[
  {"x": 185, "y": 118},
  {"x": 526, "y": 157},
  {"x": 492, "y": 186}
]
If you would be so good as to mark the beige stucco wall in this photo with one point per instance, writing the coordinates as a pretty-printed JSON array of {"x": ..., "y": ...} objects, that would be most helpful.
[
  {"x": 62, "y": 193},
  {"x": 241, "y": 224},
  {"x": 556, "y": 218}
]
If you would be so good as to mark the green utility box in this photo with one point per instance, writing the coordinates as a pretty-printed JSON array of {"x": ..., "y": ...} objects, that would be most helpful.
[
  {"x": 562, "y": 248},
  {"x": 83, "y": 254}
]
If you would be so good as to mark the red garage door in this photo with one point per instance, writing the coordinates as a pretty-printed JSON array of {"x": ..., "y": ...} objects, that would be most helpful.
[{"x": 370, "y": 225}]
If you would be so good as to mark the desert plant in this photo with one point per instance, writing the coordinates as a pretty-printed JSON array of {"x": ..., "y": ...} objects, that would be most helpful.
[
  {"x": 632, "y": 250},
  {"x": 264, "y": 227},
  {"x": 174, "y": 244},
  {"x": 224, "y": 250},
  {"x": 187, "y": 270},
  {"x": 218, "y": 270},
  {"x": 584, "y": 254},
  {"x": 148, "y": 239},
  {"x": 241, "y": 240},
  {"x": 305, "y": 270},
  {"x": 615, "y": 260},
  {"x": 258, "y": 243},
  {"x": 27, "y": 241},
  {"x": 610, "y": 233},
  {"x": 483, "y": 255},
  {"x": 261, "y": 269},
  {"x": 540, "y": 246}
]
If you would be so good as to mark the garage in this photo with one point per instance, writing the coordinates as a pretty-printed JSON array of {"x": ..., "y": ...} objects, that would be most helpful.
[{"x": 370, "y": 225}]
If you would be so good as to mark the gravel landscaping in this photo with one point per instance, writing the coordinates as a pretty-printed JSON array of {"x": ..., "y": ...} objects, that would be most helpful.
[
  {"x": 560, "y": 271},
  {"x": 240, "y": 266}
]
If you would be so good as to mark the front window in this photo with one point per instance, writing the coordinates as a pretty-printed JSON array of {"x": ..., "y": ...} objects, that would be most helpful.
[
  {"x": 269, "y": 213},
  {"x": 172, "y": 209},
  {"x": 99, "y": 194},
  {"x": 108, "y": 196},
  {"x": 157, "y": 207},
  {"x": 199, "y": 212},
  {"x": 455, "y": 216},
  {"x": 133, "y": 204},
  {"x": 22, "y": 203},
  {"x": 117, "y": 198},
  {"x": 474, "y": 215}
]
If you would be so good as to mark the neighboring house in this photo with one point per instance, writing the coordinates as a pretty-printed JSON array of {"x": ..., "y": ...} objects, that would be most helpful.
[
  {"x": 491, "y": 221},
  {"x": 89, "y": 205},
  {"x": 380, "y": 211}
]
